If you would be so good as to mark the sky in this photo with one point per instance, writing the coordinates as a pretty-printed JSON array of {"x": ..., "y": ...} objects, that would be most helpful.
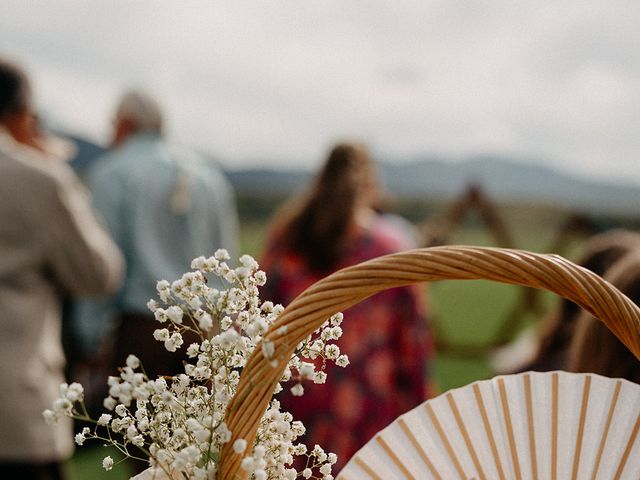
[{"x": 275, "y": 83}]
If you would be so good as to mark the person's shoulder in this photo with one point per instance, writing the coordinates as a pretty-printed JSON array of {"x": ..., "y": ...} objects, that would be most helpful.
[
  {"x": 206, "y": 168},
  {"x": 117, "y": 166},
  {"x": 31, "y": 166},
  {"x": 47, "y": 183},
  {"x": 190, "y": 157},
  {"x": 108, "y": 163}
]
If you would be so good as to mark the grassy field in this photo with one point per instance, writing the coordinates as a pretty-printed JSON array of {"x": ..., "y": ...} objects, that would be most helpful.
[{"x": 465, "y": 313}]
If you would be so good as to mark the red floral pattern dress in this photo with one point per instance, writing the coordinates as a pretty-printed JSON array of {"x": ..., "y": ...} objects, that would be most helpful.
[{"x": 386, "y": 338}]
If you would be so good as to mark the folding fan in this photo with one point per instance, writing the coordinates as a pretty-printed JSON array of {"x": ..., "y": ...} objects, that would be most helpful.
[{"x": 553, "y": 425}]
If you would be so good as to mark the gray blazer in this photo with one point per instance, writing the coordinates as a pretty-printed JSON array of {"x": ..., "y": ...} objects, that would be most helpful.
[{"x": 50, "y": 242}]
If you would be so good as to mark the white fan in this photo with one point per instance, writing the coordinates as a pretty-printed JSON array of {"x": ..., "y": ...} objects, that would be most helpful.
[{"x": 553, "y": 425}]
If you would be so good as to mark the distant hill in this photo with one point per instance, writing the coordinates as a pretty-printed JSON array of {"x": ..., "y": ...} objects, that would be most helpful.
[
  {"x": 501, "y": 178},
  {"x": 439, "y": 179}
]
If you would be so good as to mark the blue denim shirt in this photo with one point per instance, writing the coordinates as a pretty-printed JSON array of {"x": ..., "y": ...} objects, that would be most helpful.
[{"x": 163, "y": 206}]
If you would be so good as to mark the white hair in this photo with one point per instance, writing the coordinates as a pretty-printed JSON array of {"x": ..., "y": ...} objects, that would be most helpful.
[{"x": 142, "y": 110}]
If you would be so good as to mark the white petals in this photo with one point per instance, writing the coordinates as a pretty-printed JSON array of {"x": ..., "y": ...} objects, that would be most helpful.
[
  {"x": 174, "y": 313},
  {"x": 240, "y": 445},
  {"x": 342, "y": 361},
  {"x": 161, "y": 335},
  {"x": 104, "y": 419},
  {"x": 180, "y": 420},
  {"x": 297, "y": 390},
  {"x": 268, "y": 349},
  {"x": 133, "y": 361},
  {"x": 107, "y": 463}
]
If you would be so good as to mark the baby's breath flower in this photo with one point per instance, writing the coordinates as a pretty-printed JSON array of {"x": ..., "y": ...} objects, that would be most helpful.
[
  {"x": 336, "y": 319},
  {"x": 50, "y": 417},
  {"x": 268, "y": 349},
  {"x": 332, "y": 351},
  {"x": 107, "y": 463},
  {"x": 297, "y": 390},
  {"x": 205, "y": 322},
  {"x": 320, "y": 378},
  {"x": 342, "y": 361},
  {"x": 240, "y": 445},
  {"x": 109, "y": 403},
  {"x": 307, "y": 370},
  {"x": 160, "y": 314},
  {"x": 247, "y": 464},
  {"x": 174, "y": 313},
  {"x": 152, "y": 305},
  {"x": 180, "y": 420},
  {"x": 193, "y": 350},
  {"x": 133, "y": 361},
  {"x": 198, "y": 263},
  {"x": 80, "y": 438},
  {"x": 222, "y": 254},
  {"x": 104, "y": 419}
]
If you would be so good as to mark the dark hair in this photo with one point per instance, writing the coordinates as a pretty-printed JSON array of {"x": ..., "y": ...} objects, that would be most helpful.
[
  {"x": 557, "y": 330},
  {"x": 595, "y": 348},
  {"x": 317, "y": 225},
  {"x": 14, "y": 89}
]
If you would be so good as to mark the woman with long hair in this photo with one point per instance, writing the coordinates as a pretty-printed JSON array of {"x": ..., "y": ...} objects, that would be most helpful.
[{"x": 334, "y": 225}]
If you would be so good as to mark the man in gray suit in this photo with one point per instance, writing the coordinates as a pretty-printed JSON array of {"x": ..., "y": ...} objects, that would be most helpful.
[{"x": 50, "y": 244}]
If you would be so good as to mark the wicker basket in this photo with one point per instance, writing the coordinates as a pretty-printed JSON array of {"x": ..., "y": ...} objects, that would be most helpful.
[{"x": 351, "y": 285}]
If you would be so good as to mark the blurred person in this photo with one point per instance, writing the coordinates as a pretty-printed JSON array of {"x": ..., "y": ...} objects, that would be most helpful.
[
  {"x": 594, "y": 348},
  {"x": 551, "y": 344},
  {"x": 396, "y": 225},
  {"x": 386, "y": 336},
  {"x": 50, "y": 245},
  {"x": 164, "y": 206}
]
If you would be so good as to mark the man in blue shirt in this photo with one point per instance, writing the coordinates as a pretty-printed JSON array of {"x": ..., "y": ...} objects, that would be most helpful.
[{"x": 164, "y": 206}]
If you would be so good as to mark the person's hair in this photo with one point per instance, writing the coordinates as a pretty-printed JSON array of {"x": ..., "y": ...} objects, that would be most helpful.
[
  {"x": 595, "y": 349},
  {"x": 602, "y": 251},
  {"x": 317, "y": 225},
  {"x": 14, "y": 89},
  {"x": 142, "y": 110}
]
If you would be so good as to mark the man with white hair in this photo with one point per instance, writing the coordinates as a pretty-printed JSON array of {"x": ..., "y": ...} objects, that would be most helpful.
[{"x": 164, "y": 206}]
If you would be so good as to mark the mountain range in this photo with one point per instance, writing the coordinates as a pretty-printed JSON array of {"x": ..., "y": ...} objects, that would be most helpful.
[{"x": 501, "y": 178}]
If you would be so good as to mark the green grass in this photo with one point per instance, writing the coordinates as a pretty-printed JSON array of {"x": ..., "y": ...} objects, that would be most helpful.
[{"x": 87, "y": 464}]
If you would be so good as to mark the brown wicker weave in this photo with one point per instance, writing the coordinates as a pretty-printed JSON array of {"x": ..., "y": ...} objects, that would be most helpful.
[{"x": 349, "y": 286}]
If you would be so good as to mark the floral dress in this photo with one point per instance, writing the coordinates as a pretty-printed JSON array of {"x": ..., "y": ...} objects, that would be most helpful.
[{"x": 386, "y": 338}]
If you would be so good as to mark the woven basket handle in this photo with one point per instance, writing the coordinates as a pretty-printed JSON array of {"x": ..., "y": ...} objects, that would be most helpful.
[{"x": 349, "y": 286}]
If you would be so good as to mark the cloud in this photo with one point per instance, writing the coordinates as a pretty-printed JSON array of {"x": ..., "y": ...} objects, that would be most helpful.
[{"x": 279, "y": 81}]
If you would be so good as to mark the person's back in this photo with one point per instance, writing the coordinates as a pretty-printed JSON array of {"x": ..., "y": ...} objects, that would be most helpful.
[
  {"x": 166, "y": 206},
  {"x": 386, "y": 337},
  {"x": 50, "y": 244}
]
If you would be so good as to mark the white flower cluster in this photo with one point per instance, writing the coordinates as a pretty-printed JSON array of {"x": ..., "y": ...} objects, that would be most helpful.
[{"x": 179, "y": 421}]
